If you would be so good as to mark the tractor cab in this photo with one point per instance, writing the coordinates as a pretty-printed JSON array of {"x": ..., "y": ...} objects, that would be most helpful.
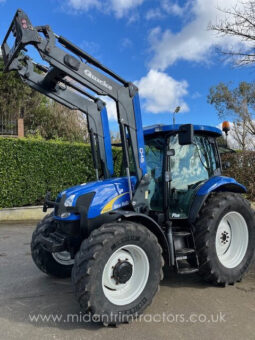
[{"x": 178, "y": 171}]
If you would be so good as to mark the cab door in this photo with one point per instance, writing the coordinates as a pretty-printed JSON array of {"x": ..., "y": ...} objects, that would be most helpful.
[{"x": 190, "y": 167}]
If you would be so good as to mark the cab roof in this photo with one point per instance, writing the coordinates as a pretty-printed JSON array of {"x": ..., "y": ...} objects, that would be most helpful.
[{"x": 210, "y": 130}]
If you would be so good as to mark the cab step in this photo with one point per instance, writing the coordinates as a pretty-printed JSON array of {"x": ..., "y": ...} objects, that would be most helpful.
[
  {"x": 184, "y": 252},
  {"x": 181, "y": 233},
  {"x": 186, "y": 261},
  {"x": 187, "y": 270}
]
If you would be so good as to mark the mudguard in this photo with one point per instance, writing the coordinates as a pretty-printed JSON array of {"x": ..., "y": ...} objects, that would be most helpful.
[
  {"x": 214, "y": 184},
  {"x": 153, "y": 226}
]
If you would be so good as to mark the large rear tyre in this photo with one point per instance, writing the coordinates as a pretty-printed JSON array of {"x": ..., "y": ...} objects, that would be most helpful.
[
  {"x": 225, "y": 238},
  {"x": 54, "y": 264},
  {"x": 117, "y": 272}
]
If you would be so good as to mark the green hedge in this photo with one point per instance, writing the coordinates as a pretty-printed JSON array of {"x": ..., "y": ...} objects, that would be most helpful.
[
  {"x": 30, "y": 167},
  {"x": 242, "y": 169}
]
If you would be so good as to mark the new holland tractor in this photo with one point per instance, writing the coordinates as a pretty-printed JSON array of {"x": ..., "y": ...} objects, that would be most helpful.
[{"x": 170, "y": 207}]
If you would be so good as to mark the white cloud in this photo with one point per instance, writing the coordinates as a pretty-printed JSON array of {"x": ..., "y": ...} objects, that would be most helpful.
[
  {"x": 111, "y": 108},
  {"x": 159, "y": 93},
  {"x": 84, "y": 5},
  {"x": 119, "y": 7},
  {"x": 126, "y": 43},
  {"x": 174, "y": 8},
  {"x": 194, "y": 41},
  {"x": 167, "y": 7},
  {"x": 154, "y": 13},
  {"x": 162, "y": 93}
]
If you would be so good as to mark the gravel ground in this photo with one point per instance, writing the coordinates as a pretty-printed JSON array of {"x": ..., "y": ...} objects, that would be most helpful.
[{"x": 185, "y": 307}]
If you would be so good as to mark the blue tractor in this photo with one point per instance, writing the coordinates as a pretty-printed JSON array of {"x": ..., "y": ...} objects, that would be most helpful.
[{"x": 171, "y": 206}]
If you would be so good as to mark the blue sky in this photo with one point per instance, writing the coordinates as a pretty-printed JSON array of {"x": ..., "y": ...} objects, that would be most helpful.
[{"x": 162, "y": 45}]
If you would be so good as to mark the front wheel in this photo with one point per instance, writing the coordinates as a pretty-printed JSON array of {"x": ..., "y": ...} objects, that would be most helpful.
[
  {"x": 225, "y": 238},
  {"x": 117, "y": 271}
]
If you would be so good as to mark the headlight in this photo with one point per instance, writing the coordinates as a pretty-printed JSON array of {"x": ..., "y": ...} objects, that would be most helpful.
[
  {"x": 69, "y": 201},
  {"x": 65, "y": 215}
]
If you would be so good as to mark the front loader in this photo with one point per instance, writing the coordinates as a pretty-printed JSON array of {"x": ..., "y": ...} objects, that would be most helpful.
[{"x": 170, "y": 206}]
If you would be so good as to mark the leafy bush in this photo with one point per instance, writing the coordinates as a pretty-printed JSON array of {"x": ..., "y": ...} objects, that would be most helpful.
[
  {"x": 30, "y": 167},
  {"x": 242, "y": 169}
]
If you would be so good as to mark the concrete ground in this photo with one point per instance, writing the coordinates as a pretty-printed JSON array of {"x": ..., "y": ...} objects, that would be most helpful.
[{"x": 185, "y": 307}]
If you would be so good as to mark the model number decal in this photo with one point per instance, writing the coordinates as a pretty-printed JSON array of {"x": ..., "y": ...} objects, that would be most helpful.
[{"x": 141, "y": 150}]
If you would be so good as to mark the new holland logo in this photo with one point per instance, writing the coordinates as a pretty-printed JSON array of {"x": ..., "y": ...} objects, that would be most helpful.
[{"x": 89, "y": 74}]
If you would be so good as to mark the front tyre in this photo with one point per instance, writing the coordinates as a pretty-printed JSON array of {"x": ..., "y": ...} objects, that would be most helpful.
[
  {"x": 225, "y": 238},
  {"x": 55, "y": 264},
  {"x": 117, "y": 271}
]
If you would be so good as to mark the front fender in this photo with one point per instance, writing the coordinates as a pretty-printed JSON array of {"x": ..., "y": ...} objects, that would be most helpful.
[
  {"x": 153, "y": 226},
  {"x": 214, "y": 184}
]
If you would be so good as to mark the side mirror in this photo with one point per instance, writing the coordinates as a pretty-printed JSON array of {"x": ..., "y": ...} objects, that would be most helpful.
[{"x": 186, "y": 134}]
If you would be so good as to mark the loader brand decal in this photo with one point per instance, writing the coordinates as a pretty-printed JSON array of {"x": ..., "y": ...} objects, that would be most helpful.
[
  {"x": 113, "y": 204},
  {"x": 89, "y": 74}
]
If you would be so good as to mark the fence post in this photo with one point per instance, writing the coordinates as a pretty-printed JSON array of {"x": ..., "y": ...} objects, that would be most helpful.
[
  {"x": 21, "y": 123},
  {"x": 20, "y": 127}
]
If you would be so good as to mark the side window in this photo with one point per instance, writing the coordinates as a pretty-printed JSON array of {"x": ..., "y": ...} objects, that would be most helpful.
[{"x": 188, "y": 166}]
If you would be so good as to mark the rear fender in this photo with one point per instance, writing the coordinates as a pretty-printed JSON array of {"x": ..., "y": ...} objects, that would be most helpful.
[{"x": 214, "y": 184}]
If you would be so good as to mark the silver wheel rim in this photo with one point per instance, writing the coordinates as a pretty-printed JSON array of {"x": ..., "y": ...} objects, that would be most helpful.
[
  {"x": 232, "y": 239},
  {"x": 124, "y": 293},
  {"x": 63, "y": 258}
]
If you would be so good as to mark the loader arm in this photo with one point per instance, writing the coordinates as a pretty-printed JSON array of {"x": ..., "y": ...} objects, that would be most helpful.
[
  {"x": 67, "y": 93},
  {"x": 88, "y": 72}
]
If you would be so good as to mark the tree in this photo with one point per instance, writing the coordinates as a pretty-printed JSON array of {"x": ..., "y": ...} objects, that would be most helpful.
[
  {"x": 41, "y": 116},
  {"x": 14, "y": 95},
  {"x": 239, "y": 104},
  {"x": 52, "y": 120},
  {"x": 239, "y": 22}
]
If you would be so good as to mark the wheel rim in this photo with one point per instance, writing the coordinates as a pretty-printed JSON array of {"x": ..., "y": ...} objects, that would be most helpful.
[
  {"x": 232, "y": 239},
  {"x": 133, "y": 283},
  {"x": 63, "y": 258}
]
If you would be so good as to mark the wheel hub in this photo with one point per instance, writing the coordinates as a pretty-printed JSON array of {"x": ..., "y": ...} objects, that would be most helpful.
[
  {"x": 125, "y": 274},
  {"x": 225, "y": 237},
  {"x": 64, "y": 258},
  {"x": 122, "y": 271}
]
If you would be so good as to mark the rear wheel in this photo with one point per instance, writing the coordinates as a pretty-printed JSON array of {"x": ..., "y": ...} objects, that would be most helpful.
[
  {"x": 56, "y": 264},
  {"x": 117, "y": 271},
  {"x": 225, "y": 238}
]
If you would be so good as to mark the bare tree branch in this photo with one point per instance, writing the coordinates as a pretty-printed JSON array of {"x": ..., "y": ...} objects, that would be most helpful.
[{"x": 239, "y": 22}]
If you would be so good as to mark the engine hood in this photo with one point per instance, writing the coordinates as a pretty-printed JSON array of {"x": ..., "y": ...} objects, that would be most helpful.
[{"x": 110, "y": 194}]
